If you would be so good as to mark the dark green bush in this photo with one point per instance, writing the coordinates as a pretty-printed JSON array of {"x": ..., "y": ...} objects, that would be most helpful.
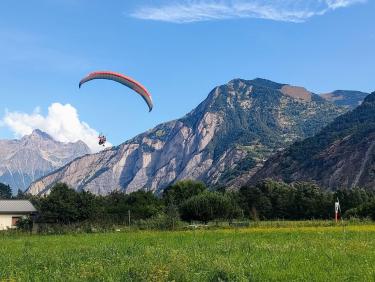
[{"x": 24, "y": 224}]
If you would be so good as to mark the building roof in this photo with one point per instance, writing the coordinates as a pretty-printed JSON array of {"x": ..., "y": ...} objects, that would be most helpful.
[{"x": 12, "y": 206}]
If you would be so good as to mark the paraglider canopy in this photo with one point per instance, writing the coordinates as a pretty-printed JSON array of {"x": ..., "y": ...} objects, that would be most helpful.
[{"x": 125, "y": 80}]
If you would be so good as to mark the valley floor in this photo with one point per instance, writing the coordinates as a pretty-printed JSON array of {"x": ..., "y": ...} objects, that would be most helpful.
[{"x": 264, "y": 253}]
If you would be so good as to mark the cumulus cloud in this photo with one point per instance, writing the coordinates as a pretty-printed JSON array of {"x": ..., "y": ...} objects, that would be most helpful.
[
  {"x": 62, "y": 123},
  {"x": 185, "y": 11}
]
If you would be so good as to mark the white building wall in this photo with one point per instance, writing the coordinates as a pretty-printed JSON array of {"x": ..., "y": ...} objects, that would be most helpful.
[{"x": 6, "y": 220}]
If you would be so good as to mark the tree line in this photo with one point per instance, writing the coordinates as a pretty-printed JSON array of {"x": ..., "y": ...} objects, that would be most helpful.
[{"x": 191, "y": 201}]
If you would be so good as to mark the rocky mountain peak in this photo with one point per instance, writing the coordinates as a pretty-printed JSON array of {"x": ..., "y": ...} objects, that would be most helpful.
[
  {"x": 297, "y": 92},
  {"x": 341, "y": 155},
  {"x": 257, "y": 82},
  {"x": 33, "y": 156},
  {"x": 236, "y": 128},
  {"x": 38, "y": 132},
  {"x": 38, "y": 135},
  {"x": 266, "y": 83},
  {"x": 370, "y": 99},
  {"x": 346, "y": 98}
]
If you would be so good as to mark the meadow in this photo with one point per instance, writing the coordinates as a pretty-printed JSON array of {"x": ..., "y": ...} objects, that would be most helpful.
[{"x": 266, "y": 252}]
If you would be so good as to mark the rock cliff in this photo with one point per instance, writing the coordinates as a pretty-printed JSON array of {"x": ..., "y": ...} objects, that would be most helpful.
[
  {"x": 236, "y": 128},
  {"x": 24, "y": 161},
  {"x": 342, "y": 155}
]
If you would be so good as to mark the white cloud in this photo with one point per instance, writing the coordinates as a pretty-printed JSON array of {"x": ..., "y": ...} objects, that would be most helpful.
[
  {"x": 62, "y": 123},
  {"x": 206, "y": 10},
  {"x": 334, "y": 4}
]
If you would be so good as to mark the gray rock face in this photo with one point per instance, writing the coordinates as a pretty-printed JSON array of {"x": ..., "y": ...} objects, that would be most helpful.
[
  {"x": 345, "y": 98},
  {"x": 341, "y": 155},
  {"x": 236, "y": 128},
  {"x": 24, "y": 161}
]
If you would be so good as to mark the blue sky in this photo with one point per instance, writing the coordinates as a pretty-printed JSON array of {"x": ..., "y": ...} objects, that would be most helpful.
[{"x": 178, "y": 49}]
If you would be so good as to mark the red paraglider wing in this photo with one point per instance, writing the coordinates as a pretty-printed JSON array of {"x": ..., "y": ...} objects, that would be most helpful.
[{"x": 125, "y": 80}]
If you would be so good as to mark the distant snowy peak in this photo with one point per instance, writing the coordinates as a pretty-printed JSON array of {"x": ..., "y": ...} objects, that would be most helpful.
[{"x": 33, "y": 156}]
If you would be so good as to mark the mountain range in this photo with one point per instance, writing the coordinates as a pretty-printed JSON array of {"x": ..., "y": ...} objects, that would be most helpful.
[
  {"x": 341, "y": 155},
  {"x": 33, "y": 156},
  {"x": 228, "y": 136},
  {"x": 345, "y": 98}
]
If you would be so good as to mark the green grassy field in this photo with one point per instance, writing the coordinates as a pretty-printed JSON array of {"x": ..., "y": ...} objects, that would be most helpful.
[{"x": 265, "y": 253}]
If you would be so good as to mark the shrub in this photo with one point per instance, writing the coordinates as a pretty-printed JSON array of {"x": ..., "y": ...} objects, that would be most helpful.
[
  {"x": 209, "y": 206},
  {"x": 24, "y": 224},
  {"x": 363, "y": 211},
  {"x": 179, "y": 192},
  {"x": 160, "y": 222}
]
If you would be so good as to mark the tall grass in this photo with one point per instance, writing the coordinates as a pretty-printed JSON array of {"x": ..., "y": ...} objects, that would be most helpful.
[{"x": 267, "y": 252}]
